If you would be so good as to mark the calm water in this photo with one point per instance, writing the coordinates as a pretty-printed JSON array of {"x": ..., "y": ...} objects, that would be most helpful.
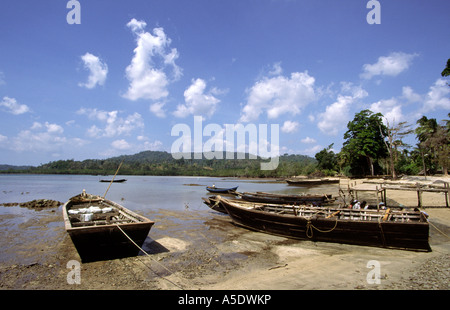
[{"x": 137, "y": 193}]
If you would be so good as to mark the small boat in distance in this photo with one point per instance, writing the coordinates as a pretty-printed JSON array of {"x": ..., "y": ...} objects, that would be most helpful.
[
  {"x": 114, "y": 181},
  {"x": 101, "y": 229},
  {"x": 310, "y": 182},
  {"x": 221, "y": 190}
]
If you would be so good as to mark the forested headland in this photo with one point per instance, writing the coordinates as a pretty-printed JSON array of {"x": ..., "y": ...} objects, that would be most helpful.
[{"x": 163, "y": 163}]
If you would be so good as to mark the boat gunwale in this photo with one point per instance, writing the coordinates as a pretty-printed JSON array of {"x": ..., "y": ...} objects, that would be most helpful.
[{"x": 139, "y": 219}]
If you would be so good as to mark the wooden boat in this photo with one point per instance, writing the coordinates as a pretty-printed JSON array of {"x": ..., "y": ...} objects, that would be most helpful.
[
  {"x": 100, "y": 228},
  {"x": 311, "y": 182},
  {"x": 214, "y": 204},
  {"x": 385, "y": 228},
  {"x": 287, "y": 198},
  {"x": 114, "y": 181},
  {"x": 221, "y": 190}
]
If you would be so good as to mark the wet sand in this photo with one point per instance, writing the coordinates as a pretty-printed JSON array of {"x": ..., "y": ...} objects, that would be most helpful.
[{"x": 199, "y": 249}]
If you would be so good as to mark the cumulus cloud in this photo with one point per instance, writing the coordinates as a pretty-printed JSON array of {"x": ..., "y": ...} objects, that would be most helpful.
[
  {"x": 46, "y": 137},
  {"x": 113, "y": 125},
  {"x": 146, "y": 73},
  {"x": 289, "y": 126},
  {"x": 308, "y": 140},
  {"x": 391, "y": 65},
  {"x": 437, "y": 97},
  {"x": 98, "y": 71},
  {"x": 12, "y": 106},
  {"x": 121, "y": 144},
  {"x": 157, "y": 109},
  {"x": 336, "y": 115},
  {"x": 390, "y": 108},
  {"x": 197, "y": 101},
  {"x": 279, "y": 95}
]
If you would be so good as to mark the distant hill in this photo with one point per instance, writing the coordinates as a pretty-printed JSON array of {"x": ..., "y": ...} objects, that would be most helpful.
[
  {"x": 163, "y": 163},
  {"x": 12, "y": 167}
]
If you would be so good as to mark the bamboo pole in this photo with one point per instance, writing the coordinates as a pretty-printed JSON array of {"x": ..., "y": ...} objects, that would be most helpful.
[{"x": 112, "y": 180}]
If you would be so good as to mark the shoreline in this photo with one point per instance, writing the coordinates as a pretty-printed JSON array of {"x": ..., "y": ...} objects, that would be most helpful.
[{"x": 199, "y": 249}]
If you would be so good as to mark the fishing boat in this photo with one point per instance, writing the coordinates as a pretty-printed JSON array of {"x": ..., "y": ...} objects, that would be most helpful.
[
  {"x": 221, "y": 190},
  {"x": 214, "y": 204},
  {"x": 287, "y": 198},
  {"x": 385, "y": 228},
  {"x": 114, "y": 181},
  {"x": 310, "y": 182},
  {"x": 102, "y": 229}
]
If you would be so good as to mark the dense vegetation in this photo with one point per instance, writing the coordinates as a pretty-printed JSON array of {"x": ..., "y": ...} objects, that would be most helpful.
[{"x": 162, "y": 163}]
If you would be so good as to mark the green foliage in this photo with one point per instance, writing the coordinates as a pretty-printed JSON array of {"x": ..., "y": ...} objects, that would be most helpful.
[
  {"x": 162, "y": 163},
  {"x": 364, "y": 144}
]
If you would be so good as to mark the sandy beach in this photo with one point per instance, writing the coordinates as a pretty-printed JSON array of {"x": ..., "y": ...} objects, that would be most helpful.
[{"x": 214, "y": 254}]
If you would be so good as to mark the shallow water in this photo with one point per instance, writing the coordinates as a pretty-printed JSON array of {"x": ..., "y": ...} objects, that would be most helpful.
[{"x": 137, "y": 193}]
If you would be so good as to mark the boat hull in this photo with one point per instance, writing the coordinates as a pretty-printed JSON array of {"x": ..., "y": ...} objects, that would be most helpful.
[
  {"x": 311, "y": 182},
  {"x": 106, "y": 240},
  {"x": 411, "y": 236},
  {"x": 219, "y": 190}
]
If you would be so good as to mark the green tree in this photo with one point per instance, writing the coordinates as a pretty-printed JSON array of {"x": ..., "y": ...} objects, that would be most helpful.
[
  {"x": 434, "y": 141},
  {"x": 393, "y": 141},
  {"x": 326, "y": 159},
  {"x": 446, "y": 71},
  {"x": 364, "y": 144}
]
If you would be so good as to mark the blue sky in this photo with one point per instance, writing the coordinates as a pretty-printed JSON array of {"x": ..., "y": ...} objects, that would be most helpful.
[{"x": 118, "y": 82}]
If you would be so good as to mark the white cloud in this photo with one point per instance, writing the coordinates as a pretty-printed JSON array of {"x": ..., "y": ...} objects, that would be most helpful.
[
  {"x": 146, "y": 74},
  {"x": 336, "y": 115},
  {"x": 279, "y": 95},
  {"x": 98, "y": 71},
  {"x": 144, "y": 145},
  {"x": 308, "y": 140},
  {"x": 113, "y": 124},
  {"x": 121, "y": 144},
  {"x": 437, "y": 97},
  {"x": 289, "y": 126},
  {"x": 13, "y": 107},
  {"x": 391, "y": 110},
  {"x": 409, "y": 94},
  {"x": 45, "y": 137},
  {"x": 197, "y": 101},
  {"x": 157, "y": 109},
  {"x": 391, "y": 65}
]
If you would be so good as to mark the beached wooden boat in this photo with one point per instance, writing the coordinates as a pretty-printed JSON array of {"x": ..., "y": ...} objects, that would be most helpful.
[
  {"x": 214, "y": 204},
  {"x": 100, "y": 228},
  {"x": 310, "y": 182},
  {"x": 221, "y": 190},
  {"x": 114, "y": 181},
  {"x": 384, "y": 228},
  {"x": 287, "y": 198}
]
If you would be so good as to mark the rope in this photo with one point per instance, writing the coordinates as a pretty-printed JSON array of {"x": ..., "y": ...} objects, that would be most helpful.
[
  {"x": 180, "y": 287},
  {"x": 309, "y": 228},
  {"x": 438, "y": 229}
]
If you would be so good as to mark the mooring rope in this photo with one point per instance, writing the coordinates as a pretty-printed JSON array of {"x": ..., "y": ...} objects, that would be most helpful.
[
  {"x": 310, "y": 227},
  {"x": 143, "y": 251},
  {"x": 445, "y": 235}
]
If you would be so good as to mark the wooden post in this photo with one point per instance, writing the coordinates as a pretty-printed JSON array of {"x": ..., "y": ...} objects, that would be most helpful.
[
  {"x": 446, "y": 193},
  {"x": 419, "y": 196}
]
